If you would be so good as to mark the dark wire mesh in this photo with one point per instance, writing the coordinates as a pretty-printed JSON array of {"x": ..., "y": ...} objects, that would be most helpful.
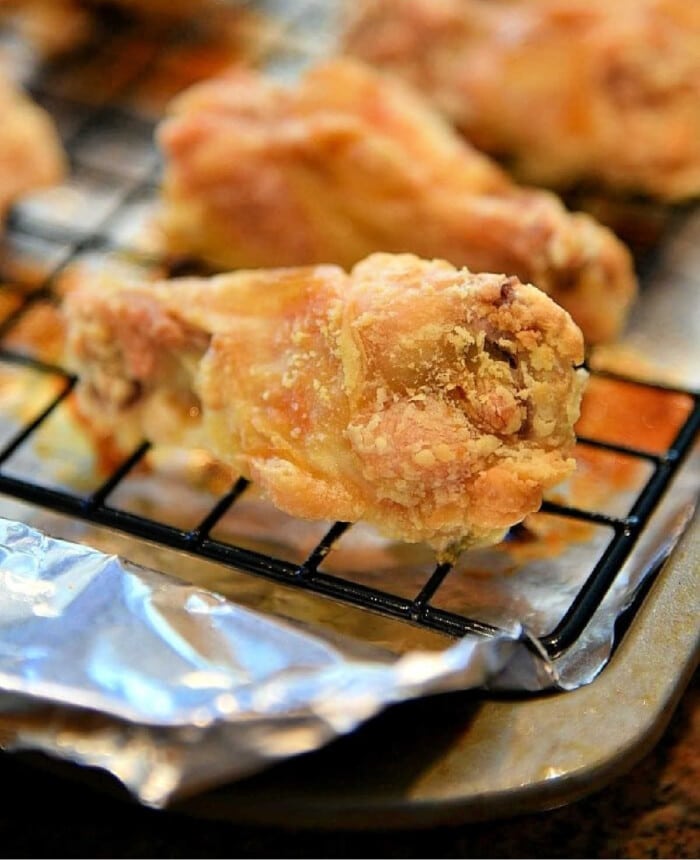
[{"x": 108, "y": 136}]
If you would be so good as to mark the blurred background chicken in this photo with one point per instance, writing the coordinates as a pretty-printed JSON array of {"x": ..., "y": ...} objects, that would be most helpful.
[
  {"x": 350, "y": 161},
  {"x": 31, "y": 155},
  {"x": 565, "y": 91}
]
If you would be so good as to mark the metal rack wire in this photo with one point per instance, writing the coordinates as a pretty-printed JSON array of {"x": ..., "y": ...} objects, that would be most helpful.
[{"x": 116, "y": 184}]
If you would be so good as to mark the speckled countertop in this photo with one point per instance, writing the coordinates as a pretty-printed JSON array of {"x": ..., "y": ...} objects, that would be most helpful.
[{"x": 652, "y": 811}]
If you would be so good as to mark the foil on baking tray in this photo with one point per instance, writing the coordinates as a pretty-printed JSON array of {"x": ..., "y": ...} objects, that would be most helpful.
[
  {"x": 176, "y": 674},
  {"x": 191, "y": 688}
]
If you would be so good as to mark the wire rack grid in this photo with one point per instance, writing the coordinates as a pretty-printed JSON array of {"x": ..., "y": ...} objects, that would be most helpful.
[{"x": 106, "y": 100}]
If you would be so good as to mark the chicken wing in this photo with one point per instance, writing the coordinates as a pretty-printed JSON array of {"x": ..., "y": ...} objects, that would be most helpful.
[
  {"x": 350, "y": 162},
  {"x": 569, "y": 91},
  {"x": 434, "y": 403},
  {"x": 31, "y": 155}
]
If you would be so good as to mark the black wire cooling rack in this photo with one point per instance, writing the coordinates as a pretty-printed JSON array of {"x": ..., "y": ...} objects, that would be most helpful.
[{"x": 106, "y": 99}]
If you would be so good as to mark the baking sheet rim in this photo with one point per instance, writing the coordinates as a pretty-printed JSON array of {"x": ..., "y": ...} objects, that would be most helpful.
[{"x": 676, "y": 583}]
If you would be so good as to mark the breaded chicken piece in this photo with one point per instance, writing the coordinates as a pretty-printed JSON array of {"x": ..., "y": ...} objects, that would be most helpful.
[
  {"x": 350, "y": 162},
  {"x": 31, "y": 155},
  {"x": 431, "y": 402},
  {"x": 569, "y": 91}
]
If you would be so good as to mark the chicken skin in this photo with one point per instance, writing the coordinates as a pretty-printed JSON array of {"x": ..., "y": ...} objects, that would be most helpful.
[
  {"x": 568, "y": 91},
  {"x": 31, "y": 155},
  {"x": 350, "y": 162},
  {"x": 434, "y": 403}
]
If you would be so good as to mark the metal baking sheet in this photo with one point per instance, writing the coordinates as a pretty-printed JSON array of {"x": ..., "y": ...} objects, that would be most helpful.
[{"x": 463, "y": 757}]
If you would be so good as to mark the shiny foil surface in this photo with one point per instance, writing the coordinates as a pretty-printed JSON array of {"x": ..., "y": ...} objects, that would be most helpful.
[{"x": 173, "y": 688}]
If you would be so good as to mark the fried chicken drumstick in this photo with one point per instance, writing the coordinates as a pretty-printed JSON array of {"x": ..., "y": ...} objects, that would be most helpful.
[
  {"x": 569, "y": 91},
  {"x": 431, "y": 402},
  {"x": 350, "y": 162},
  {"x": 30, "y": 152}
]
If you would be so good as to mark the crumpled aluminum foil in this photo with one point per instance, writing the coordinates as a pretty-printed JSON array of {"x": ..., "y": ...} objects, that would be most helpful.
[{"x": 173, "y": 688}]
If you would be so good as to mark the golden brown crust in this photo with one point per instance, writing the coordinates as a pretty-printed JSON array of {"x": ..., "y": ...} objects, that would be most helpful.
[
  {"x": 434, "y": 403},
  {"x": 349, "y": 163},
  {"x": 567, "y": 90}
]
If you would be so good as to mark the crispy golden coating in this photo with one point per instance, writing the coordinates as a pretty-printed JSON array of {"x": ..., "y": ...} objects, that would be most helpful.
[
  {"x": 434, "y": 403},
  {"x": 570, "y": 91},
  {"x": 350, "y": 162},
  {"x": 30, "y": 151}
]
